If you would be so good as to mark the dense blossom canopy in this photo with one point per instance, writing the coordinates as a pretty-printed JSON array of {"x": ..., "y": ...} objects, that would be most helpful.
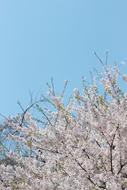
[{"x": 78, "y": 146}]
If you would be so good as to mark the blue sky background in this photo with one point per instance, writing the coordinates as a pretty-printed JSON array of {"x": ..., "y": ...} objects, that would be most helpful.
[{"x": 40, "y": 39}]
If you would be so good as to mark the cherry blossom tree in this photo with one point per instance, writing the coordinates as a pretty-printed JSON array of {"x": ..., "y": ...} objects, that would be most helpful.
[{"x": 81, "y": 145}]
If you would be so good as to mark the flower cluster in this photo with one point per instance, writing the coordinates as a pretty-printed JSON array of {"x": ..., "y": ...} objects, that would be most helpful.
[{"x": 83, "y": 145}]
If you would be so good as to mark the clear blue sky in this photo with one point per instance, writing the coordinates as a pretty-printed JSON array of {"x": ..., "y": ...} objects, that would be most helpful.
[{"x": 40, "y": 39}]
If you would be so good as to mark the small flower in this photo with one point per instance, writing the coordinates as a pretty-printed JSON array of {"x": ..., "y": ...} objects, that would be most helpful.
[{"x": 125, "y": 78}]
